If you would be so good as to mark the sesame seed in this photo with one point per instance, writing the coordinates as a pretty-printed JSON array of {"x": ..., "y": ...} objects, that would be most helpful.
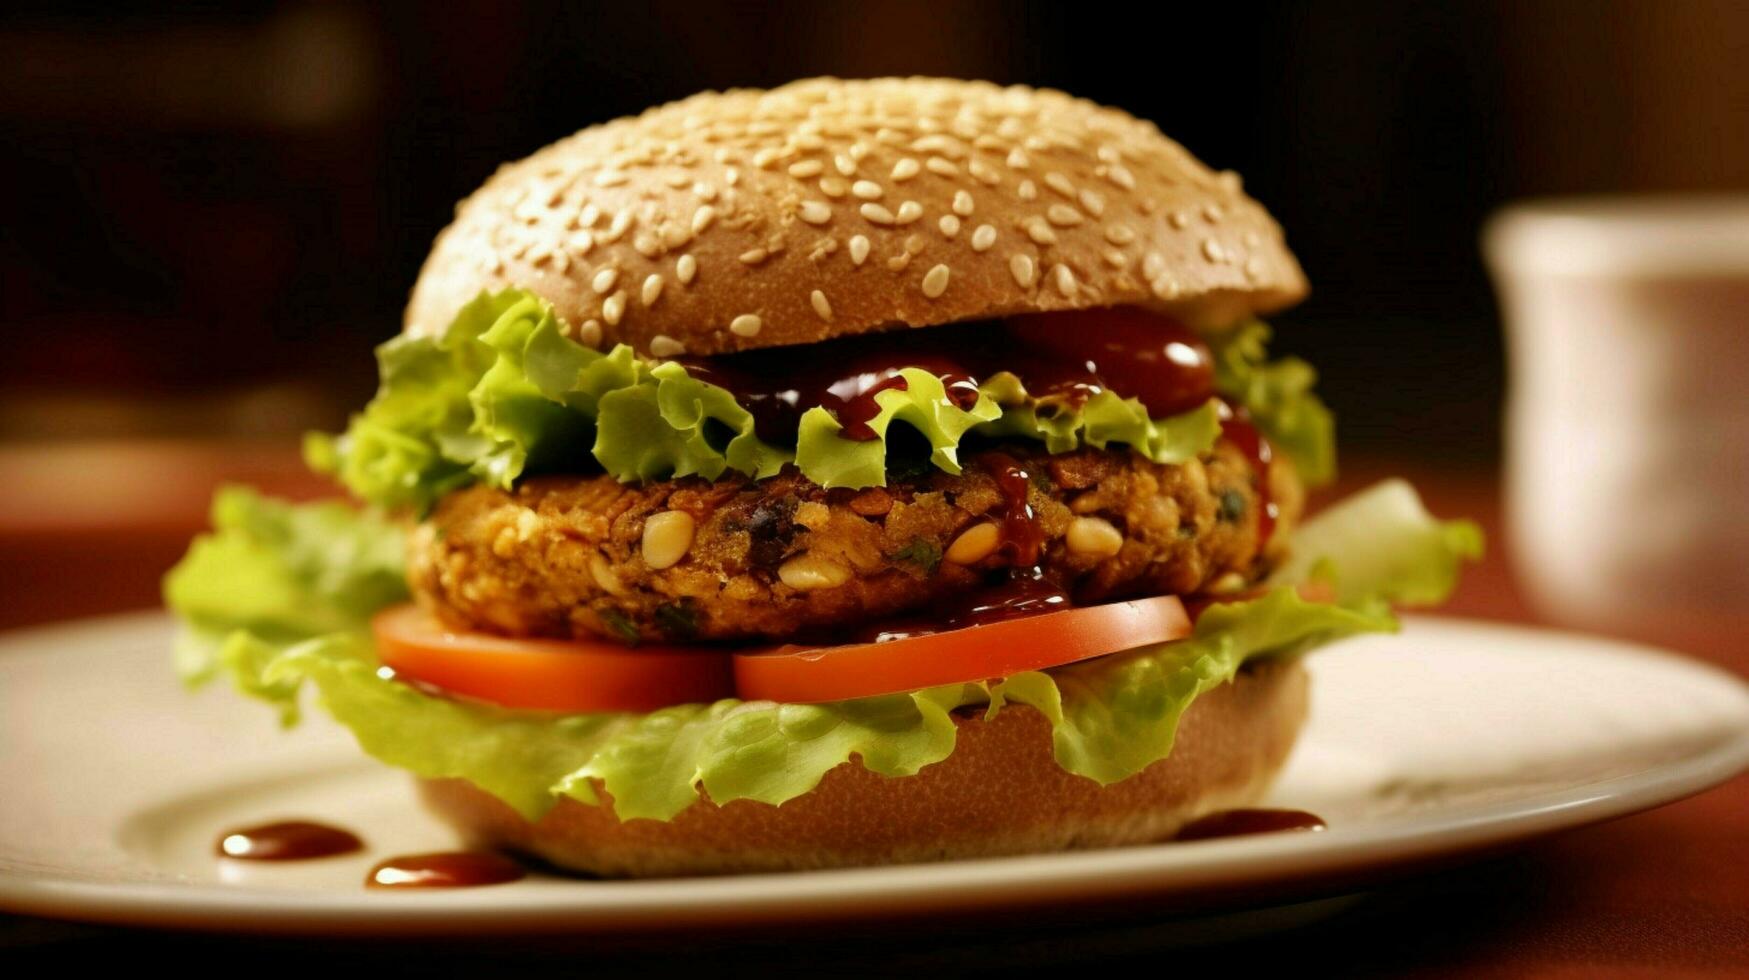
[
  {"x": 1060, "y": 184},
  {"x": 982, "y": 173},
  {"x": 876, "y": 213},
  {"x": 1212, "y": 250},
  {"x": 732, "y": 176},
  {"x": 663, "y": 345},
  {"x": 1065, "y": 280},
  {"x": 1121, "y": 176},
  {"x": 587, "y": 217},
  {"x": 1152, "y": 266},
  {"x": 1063, "y": 216},
  {"x": 868, "y": 190},
  {"x": 845, "y": 164},
  {"x": 1021, "y": 267},
  {"x": 589, "y": 334},
  {"x": 604, "y": 280},
  {"x": 746, "y": 325},
  {"x": 1092, "y": 201},
  {"x": 942, "y": 167},
  {"x": 617, "y": 227},
  {"x": 1119, "y": 234},
  {"x": 652, "y": 290},
  {"x": 1108, "y": 153},
  {"x": 754, "y": 256},
  {"x": 822, "y": 307},
  {"x": 898, "y": 262},
  {"x": 1252, "y": 239},
  {"x": 906, "y": 168},
  {"x": 1178, "y": 219},
  {"x": 1115, "y": 258},
  {"x": 1040, "y": 232},
  {"x": 1164, "y": 287},
  {"x": 702, "y": 218},
  {"x": 1017, "y": 159},
  {"x": 806, "y": 168},
  {"x": 833, "y": 187},
  {"x": 765, "y": 158},
  {"x": 610, "y": 178},
  {"x": 540, "y": 255},
  {"x": 857, "y": 151},
  {"x": 814, "y": 212},
  {"x": 647, "y": 245},
  {"x": 613, "y": 308},
  {"x": 1254, "y": 268},
  {"x": 908, "y": 212},
  {"x": 962, "y": 204},
  {"x": 949, "y": 225},
  {"x": 1229, "y": 181},
  {"x": 935, "y": 281},
  {"x": 1028, "y": 190},
  {"x": 983, "y": 238},
  {"x": 858, "y": 249},
  {"x": 685, "y": 269}
]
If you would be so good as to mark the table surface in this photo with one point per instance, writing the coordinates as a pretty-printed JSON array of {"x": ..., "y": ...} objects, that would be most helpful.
[{"x": 88, "y": 529}]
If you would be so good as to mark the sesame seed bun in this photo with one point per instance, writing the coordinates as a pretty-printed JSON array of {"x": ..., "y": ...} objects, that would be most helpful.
[
  {"x": 824, "y": 208},
  {"x": 1000, "y": 792}
]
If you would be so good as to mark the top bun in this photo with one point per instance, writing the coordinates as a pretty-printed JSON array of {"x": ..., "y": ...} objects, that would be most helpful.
[{"x": 824, "y": 208}]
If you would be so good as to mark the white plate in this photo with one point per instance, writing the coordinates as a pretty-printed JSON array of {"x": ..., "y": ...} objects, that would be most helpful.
[{"x": 1448, "y": 739}]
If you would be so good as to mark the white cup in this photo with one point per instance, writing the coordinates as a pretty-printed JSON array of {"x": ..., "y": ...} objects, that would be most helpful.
[{"x": 1627, "y": 422}]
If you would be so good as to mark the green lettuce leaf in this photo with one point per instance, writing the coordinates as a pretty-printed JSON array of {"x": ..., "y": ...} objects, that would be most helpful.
[
  {"x": 505, "y": 392},
  {"x": 279, "y": 597},
  {"x": 1279, "y": 397}
]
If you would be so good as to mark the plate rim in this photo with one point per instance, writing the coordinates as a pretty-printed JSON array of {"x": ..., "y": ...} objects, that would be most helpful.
[{"x": 986, "y": 884}]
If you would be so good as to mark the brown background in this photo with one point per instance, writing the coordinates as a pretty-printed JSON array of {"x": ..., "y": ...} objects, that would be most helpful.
[{"x": 210, "y": 214}]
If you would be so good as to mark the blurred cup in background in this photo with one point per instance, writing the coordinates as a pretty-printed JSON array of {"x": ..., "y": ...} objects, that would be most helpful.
[{"x": 1627, "y": 421}]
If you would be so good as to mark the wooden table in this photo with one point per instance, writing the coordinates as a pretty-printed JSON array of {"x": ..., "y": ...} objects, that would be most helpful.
[{"x": 89, "y": 529}]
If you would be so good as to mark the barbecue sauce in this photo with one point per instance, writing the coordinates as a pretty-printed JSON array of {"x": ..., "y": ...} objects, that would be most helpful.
[
  {"x": 448, "y": 869},
  {"x": 1022, "y": 537},
  {"x": 1063, "y": 358},
  {"x": 1237, "y": 429},
  {"x": 287, "y": 840}
]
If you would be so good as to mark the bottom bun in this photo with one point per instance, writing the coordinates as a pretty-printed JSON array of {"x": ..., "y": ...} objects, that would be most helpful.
[{"x": 1000, "y": 792}]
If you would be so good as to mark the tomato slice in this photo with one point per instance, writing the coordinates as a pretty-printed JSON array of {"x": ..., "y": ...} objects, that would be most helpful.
[
  {"x": 801, "y": 675},
  {"x": 548, "y": 675}
]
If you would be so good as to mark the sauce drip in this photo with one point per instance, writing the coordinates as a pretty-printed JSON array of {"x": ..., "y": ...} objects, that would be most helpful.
[
  {"x": 1235, "y": 823},
  {"x": 287, "y": 840},
  {"x": 778, "y": 386},
  {"x": 450, "y": 869},
  {"x": 1020, "y": 594},
  {"x": 1022, "y": 538},
  {"x": 1064, "y": 357},
  {"x": 1137, "y": 354},
  {"x": 1238, "y": 430}
]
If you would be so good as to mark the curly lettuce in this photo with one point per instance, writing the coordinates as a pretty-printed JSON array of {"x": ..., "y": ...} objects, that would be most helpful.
[
  {"x": 1279, "y": 398},
  {"x": 278, "y": 597},
  {"x": 504, "y": 391}
]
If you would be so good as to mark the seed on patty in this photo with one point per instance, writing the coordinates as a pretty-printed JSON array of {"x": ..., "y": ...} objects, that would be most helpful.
[
  {"x": 1094, "y": 536},
  {"x": 805, "y": 573},
  {"x": 974, "y": 544},
  {"x": 605, "y": 577},
  {"x": 667, "y": 536}
]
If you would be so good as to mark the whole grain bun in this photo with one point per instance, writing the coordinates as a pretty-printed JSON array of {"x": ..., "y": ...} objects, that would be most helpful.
[
  {"x": 826, "y": 207},
  {"x": 1000, "y": 792}
]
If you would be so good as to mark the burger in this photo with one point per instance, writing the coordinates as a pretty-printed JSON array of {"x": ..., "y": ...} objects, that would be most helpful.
[{"x": 849, "y": 473}]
